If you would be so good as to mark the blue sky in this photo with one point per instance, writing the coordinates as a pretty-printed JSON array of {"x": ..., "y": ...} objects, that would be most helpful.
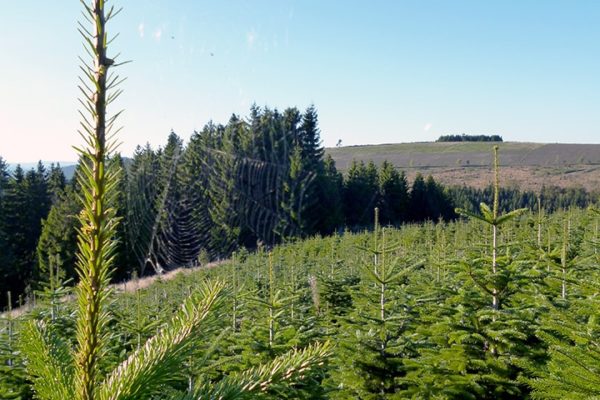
[{"x": 377, "y": 71}]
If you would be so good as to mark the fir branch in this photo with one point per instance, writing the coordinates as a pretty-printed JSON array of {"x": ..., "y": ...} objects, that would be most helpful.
[
  {"x": 158, "y": 361},
  {"x": 49, "y": 362}
]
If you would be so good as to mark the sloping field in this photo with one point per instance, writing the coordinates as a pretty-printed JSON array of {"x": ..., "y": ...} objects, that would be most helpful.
[{"x": 528, "y": 165}]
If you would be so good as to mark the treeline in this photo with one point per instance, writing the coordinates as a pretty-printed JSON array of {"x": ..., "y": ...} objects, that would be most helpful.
[
  {"x": 25, "y": 200},
  {"x": 252, "y": 182},
  {"x": 469, "y": 138},
  {"x": 551, "y": 198},
  {"x": 366, "y": 187}
]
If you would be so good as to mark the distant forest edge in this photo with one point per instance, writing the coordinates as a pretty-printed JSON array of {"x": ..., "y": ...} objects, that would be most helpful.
[
  {"x": 469, "y": 138},
  {"x": 253, "y": 182},
  {"x": 528, "y": 166}
]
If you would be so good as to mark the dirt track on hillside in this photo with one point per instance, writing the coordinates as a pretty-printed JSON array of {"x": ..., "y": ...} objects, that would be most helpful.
[{"x": 123, "y": 287}]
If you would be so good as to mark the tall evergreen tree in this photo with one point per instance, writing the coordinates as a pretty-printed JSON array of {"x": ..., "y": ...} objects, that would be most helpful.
[
  {"x": 439, "y": 205},
  {"x": 15, "y": 273},
  {"x": 4, "y": 177},
  {"x": 56, "y": 182},
  {"x": 57, "y": 246},
  {"x": 125, "y": 262},
  {"x": 418, "y": 199},
  {"x": 310, "y": 140},
  {"x": 393, "y": 197},
  {"x": 6, "y": 257},
  {"x": 144, "y": 187},
  {"x": 330, "y": 184},
  {"x": 360, "y": 194},
  {"x": 197, "y": 160},
  {"x": 222, "y": 173}
]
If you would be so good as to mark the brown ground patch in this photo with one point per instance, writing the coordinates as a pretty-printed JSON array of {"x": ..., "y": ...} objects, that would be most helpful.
[
  {"x": 526, "y": 165},
  {"x": 128, "y": 286},
  {"x": 524, "y": 177}
]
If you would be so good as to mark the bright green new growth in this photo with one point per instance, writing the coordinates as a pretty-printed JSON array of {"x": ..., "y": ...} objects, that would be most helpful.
[
  {"x": 59, "y": 373},
  {"x": 492, "y": 218}
]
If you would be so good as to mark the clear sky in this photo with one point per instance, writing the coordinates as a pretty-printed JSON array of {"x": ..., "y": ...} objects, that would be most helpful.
[{"x": 377, "y": 71}]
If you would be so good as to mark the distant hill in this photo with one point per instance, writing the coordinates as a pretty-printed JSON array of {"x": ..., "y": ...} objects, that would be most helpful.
[
  {"x": 69, "y": 171},
  {"x": 527, "y": 165},
  {"x": 68, "y": 167}
]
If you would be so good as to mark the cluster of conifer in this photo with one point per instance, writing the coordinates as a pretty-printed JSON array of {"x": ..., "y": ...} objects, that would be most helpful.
[
  {"x": 469, "y": 138},
  {"x": 25, "y": 199},
  {"x": 490, "y": 308},
  {"x": 553, "y": 198}
]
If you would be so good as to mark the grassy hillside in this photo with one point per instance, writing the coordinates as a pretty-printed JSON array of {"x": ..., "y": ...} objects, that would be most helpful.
[{"x": 528, "y": 165}]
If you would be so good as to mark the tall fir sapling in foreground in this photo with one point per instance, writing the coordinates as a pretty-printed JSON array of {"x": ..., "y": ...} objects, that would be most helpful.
[
  {"x": 473, "y": 324},
  {"x": 57, "y": 372},
  {"x": 493, "y": 218}
]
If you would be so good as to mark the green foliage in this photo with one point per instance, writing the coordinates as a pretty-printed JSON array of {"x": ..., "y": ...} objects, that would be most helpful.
[
  {"x": 441, "y": 335},
  {"x": 13, "y": 377},
  {"x": 25, "y": 202},
  {"x": 511, "y": 198},
  {"x": 360, "y": 194},
  {"x": 57, "y": 244},
  {"x": 393, "y": 198}
]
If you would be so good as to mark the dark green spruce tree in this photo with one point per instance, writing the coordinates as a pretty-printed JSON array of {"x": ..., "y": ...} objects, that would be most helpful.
[{"x": 393, "y": 197}]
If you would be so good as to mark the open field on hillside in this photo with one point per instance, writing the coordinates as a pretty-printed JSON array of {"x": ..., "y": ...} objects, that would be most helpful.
[{"x": 528, "y": 165}]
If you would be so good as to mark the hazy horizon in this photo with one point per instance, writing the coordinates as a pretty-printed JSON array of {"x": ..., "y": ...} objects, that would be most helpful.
[{"x": 67, "y": 163}]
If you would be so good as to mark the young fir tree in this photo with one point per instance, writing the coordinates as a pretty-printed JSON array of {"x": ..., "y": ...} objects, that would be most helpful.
[
  {"x": 571, "y": 330},
  {"x": 480, "y": 325},
  {"x": 13, "y": 377},
  {"x": 375, "y": 337}
]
